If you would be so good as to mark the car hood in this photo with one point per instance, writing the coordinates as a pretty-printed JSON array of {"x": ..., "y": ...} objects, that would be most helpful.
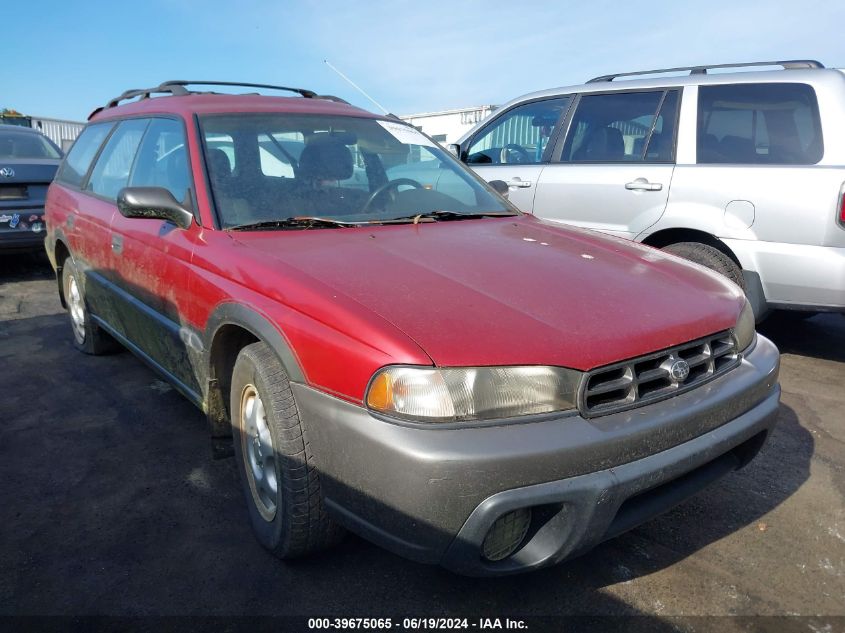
[{"x": 511, "y": 291}]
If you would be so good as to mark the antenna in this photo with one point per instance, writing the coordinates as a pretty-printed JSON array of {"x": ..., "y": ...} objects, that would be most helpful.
[{"x": 356, "y": 86}]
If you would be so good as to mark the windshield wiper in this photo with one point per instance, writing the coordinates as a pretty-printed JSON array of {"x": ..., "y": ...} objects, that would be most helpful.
[
  {"x": 301, "y": 222},
  {"x": 434, "y": 216}
]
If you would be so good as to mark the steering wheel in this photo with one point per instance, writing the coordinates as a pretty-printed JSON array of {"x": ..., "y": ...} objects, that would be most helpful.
[
  {"x": 390, "y": 184},
  {"x": 519, "y": 154}
]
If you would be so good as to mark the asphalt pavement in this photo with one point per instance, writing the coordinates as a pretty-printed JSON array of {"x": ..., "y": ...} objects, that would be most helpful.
[{"x": 110, "y": 505}]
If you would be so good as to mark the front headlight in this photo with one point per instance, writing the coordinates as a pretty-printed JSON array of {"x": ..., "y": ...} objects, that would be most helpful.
[
  {"x": 429, "y": 394},
  {"x": 744, "y": 330}
]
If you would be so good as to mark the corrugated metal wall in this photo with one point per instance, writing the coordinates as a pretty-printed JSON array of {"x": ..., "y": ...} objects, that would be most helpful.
[{"x": 62, "y": 133}]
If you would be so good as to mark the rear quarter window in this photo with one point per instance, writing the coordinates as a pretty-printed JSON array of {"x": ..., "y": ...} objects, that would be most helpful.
[
  {"x": 770, "y": 124},
  {"x": 79, "y": 158}
]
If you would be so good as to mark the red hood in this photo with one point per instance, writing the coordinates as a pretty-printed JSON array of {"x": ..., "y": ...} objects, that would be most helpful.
[{"x": 512, "y": 291}]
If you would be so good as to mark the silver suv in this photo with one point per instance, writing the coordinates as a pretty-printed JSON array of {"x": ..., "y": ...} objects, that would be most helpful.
[{"x": 742, "y": 172}]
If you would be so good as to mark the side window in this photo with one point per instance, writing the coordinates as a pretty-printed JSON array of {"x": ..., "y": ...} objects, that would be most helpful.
[
  {"x": 163, "y": 160},
  {"x": 621, "y": 127},
  {"x": 775, "y": 124},
  {"x": 518, "y": 136},
  {"x": 111, "y": 172},
  {"x": 79, "y": 157}
]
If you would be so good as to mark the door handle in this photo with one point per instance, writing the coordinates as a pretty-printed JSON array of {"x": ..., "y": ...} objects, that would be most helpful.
[
  {"x": 641, "y": 184},
  {"x": 117, "y": 243},
  {"x": 519, "y": 182}
]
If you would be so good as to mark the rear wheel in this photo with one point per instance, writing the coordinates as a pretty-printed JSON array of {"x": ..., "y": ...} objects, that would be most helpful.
[
  {"x": 88, "y": 337},
  {"x": 280, "y": 481},
  {"x": 709, "y": 257}
]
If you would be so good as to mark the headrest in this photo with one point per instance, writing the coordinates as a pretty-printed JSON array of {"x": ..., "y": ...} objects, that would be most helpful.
[
  {"x": 325, "y": 158},
  {"x": 218, "y": 163}
]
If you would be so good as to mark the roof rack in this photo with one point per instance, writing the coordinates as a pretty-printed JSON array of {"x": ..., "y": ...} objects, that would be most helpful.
[
  {"x": 702, "y": 70},
  {"x": 177, "y": 88}
]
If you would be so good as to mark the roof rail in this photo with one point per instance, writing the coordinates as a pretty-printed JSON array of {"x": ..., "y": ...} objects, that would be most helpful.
[
  {"x": 177, "y": 88},
  {"x": 702, "y": 70}
]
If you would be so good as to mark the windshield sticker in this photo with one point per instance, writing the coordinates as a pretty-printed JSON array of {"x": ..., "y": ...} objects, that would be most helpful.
[
  {"x": 14, "y": 221},
  {"x": 36, "y": 228},
  {"x": 5, "y": 218},
  {"x": 406, "y": 134}
]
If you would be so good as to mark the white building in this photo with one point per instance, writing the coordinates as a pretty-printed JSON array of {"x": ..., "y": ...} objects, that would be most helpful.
[
  {"x": 63, "y": 133},
  {"x": 447, "y": 126}
]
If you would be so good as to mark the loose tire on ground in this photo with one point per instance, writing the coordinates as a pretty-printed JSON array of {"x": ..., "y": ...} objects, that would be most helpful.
[
  {"x": 88, "y": 337},
  {"x": 710, "y": 257},
  {"x": 289, "y": 519}
]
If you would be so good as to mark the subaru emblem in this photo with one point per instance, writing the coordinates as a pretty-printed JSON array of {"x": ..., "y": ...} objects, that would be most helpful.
[{"x": 679, "y": 370}]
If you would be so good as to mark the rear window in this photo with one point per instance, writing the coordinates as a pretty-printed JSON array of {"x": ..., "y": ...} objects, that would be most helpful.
[
  {"x": 16, "y": 144},
  {"x": 773, "y": 124},
  {"x": 79, "y": 158},
  {"x": 111, "y": 172}
]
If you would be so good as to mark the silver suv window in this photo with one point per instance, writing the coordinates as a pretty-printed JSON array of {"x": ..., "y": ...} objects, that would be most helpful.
[
  {"x": 773, "y": 123},
  {"x": 518, "y": 136},
  {"x": 622, "y": 127}
]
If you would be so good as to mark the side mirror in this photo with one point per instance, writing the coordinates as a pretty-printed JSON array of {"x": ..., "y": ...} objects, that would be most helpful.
[
  {"x": 153, "y": 203},
  {"x": 455, "y": 149},
  {"x": 500, "y": 186}
]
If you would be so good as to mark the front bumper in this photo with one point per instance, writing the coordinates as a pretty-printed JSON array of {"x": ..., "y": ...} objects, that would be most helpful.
[{"x": 431, "y": 494}]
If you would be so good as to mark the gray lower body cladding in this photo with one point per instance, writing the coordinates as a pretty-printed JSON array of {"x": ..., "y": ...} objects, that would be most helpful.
[{"x": 431, "y": 494}]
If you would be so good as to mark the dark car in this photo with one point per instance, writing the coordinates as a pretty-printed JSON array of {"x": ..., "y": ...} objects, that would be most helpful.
[
  {"x": 458, "y": 381},
  {"x": 28, "y": 162}
]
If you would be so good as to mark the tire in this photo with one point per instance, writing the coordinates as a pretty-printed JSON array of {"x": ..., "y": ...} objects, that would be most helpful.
[
  {"x": 280, "y": 481},
  {"x": 709, "y": 257},
  {"x": 88, "y": 337}
]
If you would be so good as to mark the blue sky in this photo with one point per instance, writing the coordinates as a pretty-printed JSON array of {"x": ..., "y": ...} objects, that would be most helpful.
[{"x": 62, "y": 58}]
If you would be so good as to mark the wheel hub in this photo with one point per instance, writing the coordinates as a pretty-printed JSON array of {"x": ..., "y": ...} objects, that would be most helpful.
[
  {"x": 76, "y": 308},
  {"x": 260, "y": 459}
]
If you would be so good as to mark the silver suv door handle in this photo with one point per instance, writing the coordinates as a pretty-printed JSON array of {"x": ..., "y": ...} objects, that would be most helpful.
[
  {"x": 519, "y": 182},
  {"x": 641, "y": 184}
]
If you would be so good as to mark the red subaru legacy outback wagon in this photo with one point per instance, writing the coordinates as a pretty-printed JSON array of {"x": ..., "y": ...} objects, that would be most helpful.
[{"x": 403, "y": 355}]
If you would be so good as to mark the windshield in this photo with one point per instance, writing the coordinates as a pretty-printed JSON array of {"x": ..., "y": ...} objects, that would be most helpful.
[
  {"x": 26, "y": 145},
  {"x": 267, "y": 168}
]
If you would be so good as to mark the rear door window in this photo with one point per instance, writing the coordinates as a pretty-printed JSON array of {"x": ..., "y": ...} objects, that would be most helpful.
[
  {"x": 622, "y": 127},
  {"x": 520, "y": 135},
  {"x": 775, "y": 124},
  {"x": 78, "y": 160},
  {"x": 111, "y": 172}
]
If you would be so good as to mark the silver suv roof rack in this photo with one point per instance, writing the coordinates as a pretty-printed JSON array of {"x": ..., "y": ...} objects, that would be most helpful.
[
  {"x": 702, "y": 70},
  {"x": 178, "y": 88}
]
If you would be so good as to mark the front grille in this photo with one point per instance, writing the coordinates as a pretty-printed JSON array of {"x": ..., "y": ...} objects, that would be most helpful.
[{"x": 649, "y": 378}]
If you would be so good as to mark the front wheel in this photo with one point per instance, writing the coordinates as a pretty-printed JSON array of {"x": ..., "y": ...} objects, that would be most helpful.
[
  {"x": 280, "y": 481},
  {"x": 709, "y": 257}
]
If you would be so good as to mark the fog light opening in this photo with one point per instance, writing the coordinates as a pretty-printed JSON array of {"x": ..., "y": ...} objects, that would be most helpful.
[{"x": 506, "y": 535}]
